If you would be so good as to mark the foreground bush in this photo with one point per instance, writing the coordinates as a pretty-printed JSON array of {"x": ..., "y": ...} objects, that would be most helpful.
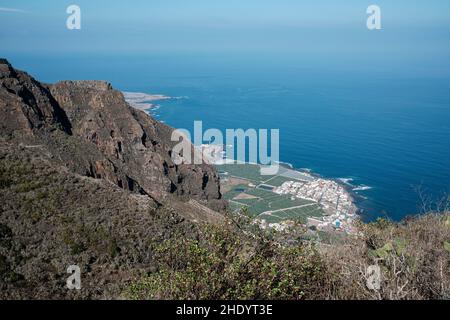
[
  {"x": 413, "y": 256},
  {"x": 222, "y": 266},
  {"x": 414, "y": 259}
]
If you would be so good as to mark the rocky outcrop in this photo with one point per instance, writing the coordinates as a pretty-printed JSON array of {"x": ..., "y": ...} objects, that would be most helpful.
[
  {"x": 87, "y": 180},
  {"x": 26, "y": 105},
  {"x": 88, "y": 127}
]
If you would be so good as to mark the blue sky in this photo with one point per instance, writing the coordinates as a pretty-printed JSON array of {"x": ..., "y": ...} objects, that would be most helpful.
[{"x": 146, "y": 26}]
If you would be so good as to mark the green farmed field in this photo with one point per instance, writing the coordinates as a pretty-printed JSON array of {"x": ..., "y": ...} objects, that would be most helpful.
[{"x": 245, "y": 187}]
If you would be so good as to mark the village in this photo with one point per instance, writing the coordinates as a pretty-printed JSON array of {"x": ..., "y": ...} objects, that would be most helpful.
[
  {"x": 337, "y": 203},
  {"x": 291, "y": 195}
]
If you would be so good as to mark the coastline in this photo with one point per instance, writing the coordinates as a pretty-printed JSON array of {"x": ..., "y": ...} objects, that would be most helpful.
[
  {"x": 343, "y": 187},
  {"x": 336, "y": 200},
  {"x": 350, "y": 188},
  {"x": 143, "y": 101}
]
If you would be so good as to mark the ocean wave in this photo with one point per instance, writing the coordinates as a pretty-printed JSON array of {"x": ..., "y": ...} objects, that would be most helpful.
[
  {"x": 362, "y": 188},
  {"x": 286, "y": 164},
  {"x": 347, "y": 181}
]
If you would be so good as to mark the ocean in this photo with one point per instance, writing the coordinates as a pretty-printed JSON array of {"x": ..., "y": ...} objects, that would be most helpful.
[{"x": 382, "y": 126}]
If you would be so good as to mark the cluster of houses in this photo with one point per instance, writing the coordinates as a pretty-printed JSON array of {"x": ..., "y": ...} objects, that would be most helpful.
[{"x": 334, "y": 199}]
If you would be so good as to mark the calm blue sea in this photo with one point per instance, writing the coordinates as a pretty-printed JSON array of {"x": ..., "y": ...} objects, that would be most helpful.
[{"x": 383, "y": 123}]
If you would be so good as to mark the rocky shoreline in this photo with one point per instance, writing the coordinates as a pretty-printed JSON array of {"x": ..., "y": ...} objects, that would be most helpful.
[{"x": 143, "y": 101}]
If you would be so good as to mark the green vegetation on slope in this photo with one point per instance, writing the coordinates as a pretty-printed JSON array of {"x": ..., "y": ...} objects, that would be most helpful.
[
  {"x": 126, "y": 247},
  {"x": 413, "y": 257},
  {"x": 222, "y": 266}
]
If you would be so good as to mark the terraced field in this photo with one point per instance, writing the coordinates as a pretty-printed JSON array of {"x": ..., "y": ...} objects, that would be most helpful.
[
  {"x": 297, "y": 214},
  {"x": 277, "y": 181},
  {"x": 246, "y": 171},
  {"x": 272, "y": 207},
  {"x": 262, "y": 203}
]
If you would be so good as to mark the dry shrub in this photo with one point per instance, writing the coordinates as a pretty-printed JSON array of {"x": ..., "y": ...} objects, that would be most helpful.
[
  {"x": 224, "y": 266},
  {"x": 413, "y": 256},
  {"x": 414, "y": 259}
]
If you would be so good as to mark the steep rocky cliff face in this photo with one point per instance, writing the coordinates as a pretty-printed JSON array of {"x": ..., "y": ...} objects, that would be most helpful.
[
  {"x": 87, "y": 180},
  {"x": 88, "y": 127},
  {"x": 27, "y": 105}
]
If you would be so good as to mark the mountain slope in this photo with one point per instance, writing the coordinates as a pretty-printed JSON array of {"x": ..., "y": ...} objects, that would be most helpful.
[
  {"x": 89, "y": 127},
  {"x": 87, "y": 180}
]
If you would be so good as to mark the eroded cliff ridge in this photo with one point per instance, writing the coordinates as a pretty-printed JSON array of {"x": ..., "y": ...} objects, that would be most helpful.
[
  {"x": 87, "y": 180},
  {"x": 89, "y": 128}
]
